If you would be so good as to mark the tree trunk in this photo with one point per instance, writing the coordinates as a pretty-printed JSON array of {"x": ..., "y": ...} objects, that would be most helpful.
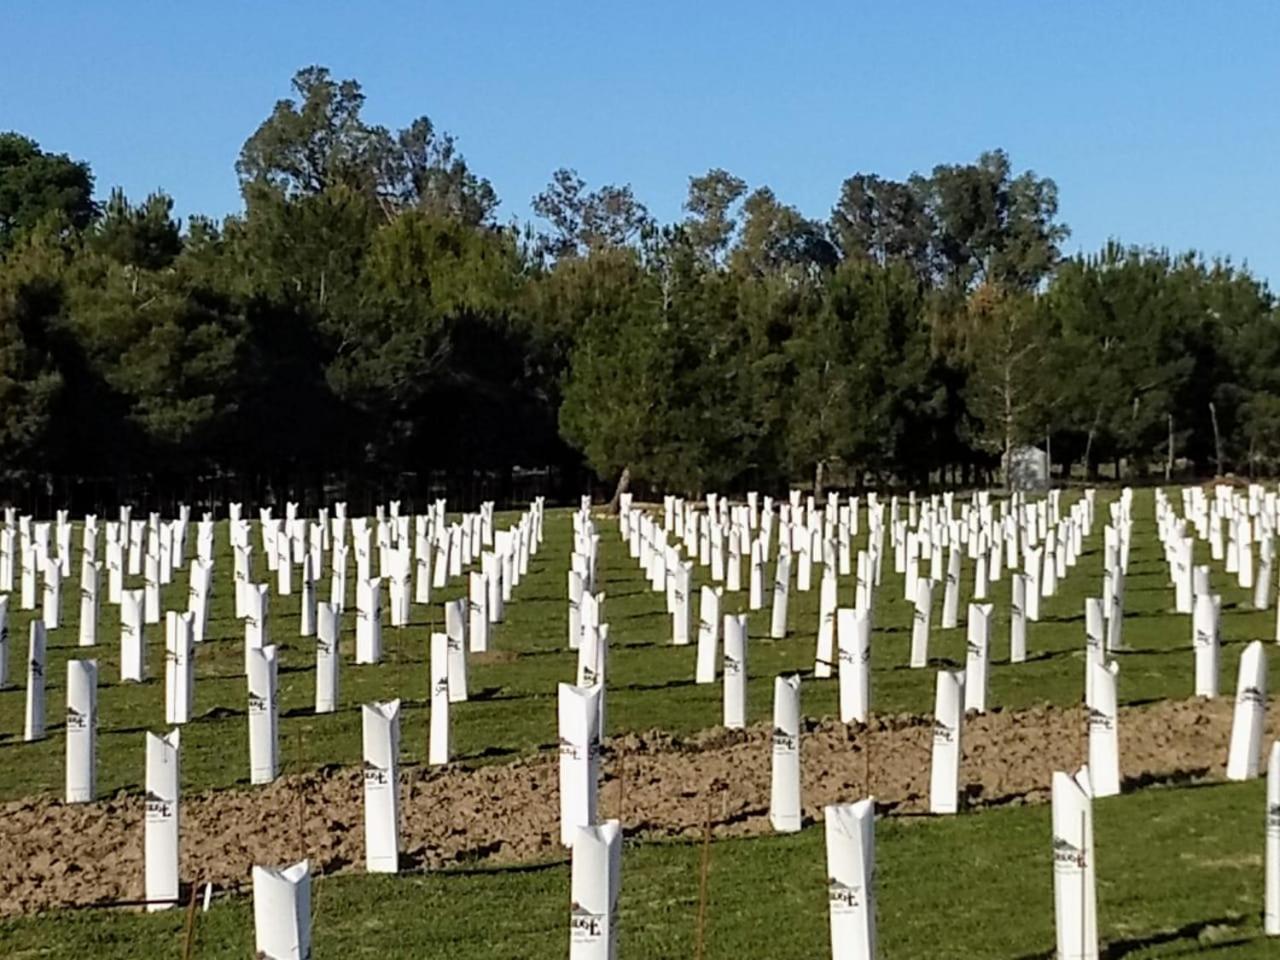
[
  {"x": 1217, "y": 440},
  {"x": 624, "y": 484},
  {"x": 819, "y": 479},
  {"x": 1168, "y": 463},
  {"x": 1089, "y": 471}
]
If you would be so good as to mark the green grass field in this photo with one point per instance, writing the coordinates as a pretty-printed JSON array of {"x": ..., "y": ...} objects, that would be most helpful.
[
  {"x": 1179, "y": 869},
  {"x": 1179, "y": 872}
]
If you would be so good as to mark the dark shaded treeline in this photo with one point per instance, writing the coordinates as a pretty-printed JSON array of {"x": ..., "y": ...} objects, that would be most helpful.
[{"x": 368, "y": 327}]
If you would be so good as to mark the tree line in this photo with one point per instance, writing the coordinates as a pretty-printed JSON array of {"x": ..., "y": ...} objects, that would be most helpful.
[{"x": 369, "y": 314}]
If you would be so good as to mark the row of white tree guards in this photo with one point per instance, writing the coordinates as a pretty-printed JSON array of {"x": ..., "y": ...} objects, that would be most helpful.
[
  {"x": 1037, "y": 536},
  {"x": 427, "y": 545},
  {"x": 1050, "y": 545}
]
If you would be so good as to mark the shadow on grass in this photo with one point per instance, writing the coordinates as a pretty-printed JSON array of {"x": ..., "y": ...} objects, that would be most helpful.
[
  {"x": 481, "y": 870},
  {"x": 495, "y": 695},
  {"x": 1192, "y": 931},
  {"x": 488, "y": 753},
  {"x": 1117, "y": 949},
  {"x": 1185, "y": 778},
  {"x": 666, "y": 685}
]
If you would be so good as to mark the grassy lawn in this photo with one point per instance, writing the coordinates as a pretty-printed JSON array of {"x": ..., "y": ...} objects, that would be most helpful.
[
  {"x": 512, "y": 710},
  {"x": 1179, "y": 872},
  {"x": 1179, "y": 869}
]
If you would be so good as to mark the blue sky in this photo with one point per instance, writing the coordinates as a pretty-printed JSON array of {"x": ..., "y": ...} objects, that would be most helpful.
[{"x": 1160, "y": 122}]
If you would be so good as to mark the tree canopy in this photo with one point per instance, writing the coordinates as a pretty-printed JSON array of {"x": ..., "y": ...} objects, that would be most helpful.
[{"x": 365, "y": 315}]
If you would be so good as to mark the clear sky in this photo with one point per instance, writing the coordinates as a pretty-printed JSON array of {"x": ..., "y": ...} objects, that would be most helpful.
[{"x": 1160, "y": 121}]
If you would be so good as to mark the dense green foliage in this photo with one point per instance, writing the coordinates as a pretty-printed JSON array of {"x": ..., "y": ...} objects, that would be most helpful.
[{"x": 368, "y": 314}]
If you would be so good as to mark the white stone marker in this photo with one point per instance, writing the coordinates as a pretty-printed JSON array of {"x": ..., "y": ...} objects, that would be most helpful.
[
  {"x": 851, "y": 858},
  {"x": 381, "y": 737},
  {"x": 160, "y": 831},
  {"x": 282, "y": 912},
  {"x": 82, "y": 730},
  {"x": 784, "y": 793}
]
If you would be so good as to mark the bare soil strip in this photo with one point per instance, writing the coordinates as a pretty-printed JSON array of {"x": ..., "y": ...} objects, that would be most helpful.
[{"x": 662, "y": 786}]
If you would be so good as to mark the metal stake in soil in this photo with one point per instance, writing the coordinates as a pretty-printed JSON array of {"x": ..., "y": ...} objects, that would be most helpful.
[
  {"x": 704, "y": 868},
  {"x": 189, "y": 927}
]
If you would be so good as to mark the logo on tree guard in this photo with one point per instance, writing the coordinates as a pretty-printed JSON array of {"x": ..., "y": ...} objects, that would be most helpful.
[
  {"x": 1067, "y": 853},
  {"x": 586, "y": 926},
  {"x": 157, "y": 808},
  {"x": 783, "y": 741},
  {"x": 942, "y": 733},
  {"x": 842, "y": 895},
  {"x": 1253, "y": 696}
]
